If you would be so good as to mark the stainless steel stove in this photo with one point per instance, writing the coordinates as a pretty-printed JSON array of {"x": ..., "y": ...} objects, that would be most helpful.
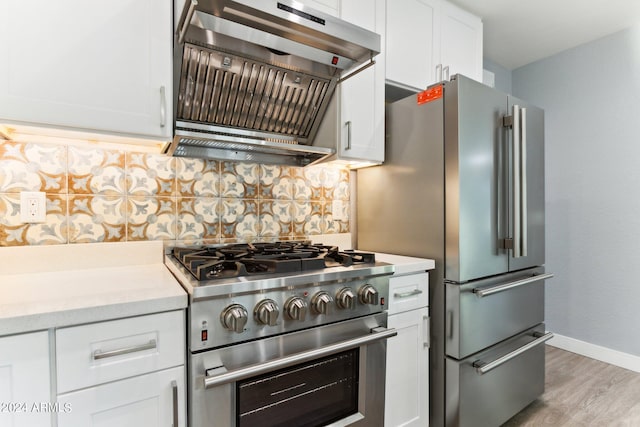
[{"x": 286, "y": 316}]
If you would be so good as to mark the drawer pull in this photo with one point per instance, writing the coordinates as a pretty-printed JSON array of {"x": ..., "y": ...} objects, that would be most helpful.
[
  {"x": 500, "y": 288},
  {"x": 483, "y": 368},
  {"x": 407, "y": 294},
  {"x": 99, "y": 354}
]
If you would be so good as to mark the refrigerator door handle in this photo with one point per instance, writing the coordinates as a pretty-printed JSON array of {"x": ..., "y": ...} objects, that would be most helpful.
[
  {"x": 516, "y": 182},
  {"x": 523, "y": 180}
]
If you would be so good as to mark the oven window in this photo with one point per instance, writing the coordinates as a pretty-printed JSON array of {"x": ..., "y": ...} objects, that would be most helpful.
[{"x": 307, "y": 395}]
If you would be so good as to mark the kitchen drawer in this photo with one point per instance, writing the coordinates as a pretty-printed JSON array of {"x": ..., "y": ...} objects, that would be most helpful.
[
  {"x": 408, "y": 292},
  {"x": 482, "y": 313},
  {"x": 151, "y": 400},
  {"x": 491, "y": 398},
  {"x": 101, "y": 352}
]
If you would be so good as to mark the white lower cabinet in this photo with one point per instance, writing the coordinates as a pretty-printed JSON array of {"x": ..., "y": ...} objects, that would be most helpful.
[
  {"x": 407, "y": 375},
  {"x": 126, "y": 372},
  {"x": 407, "y": 386},
  {"x": 25, "y": 392},
  {"x": 150, "y": 400}
]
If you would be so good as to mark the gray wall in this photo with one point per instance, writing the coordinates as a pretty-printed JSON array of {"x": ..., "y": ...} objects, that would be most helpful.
[
  {"x": 503, "y": 75},
  {"x": 591, "y": 97}
]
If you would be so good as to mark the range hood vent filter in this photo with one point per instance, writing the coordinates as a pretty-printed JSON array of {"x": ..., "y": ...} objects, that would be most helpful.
[{"x": 218, "y": 88}]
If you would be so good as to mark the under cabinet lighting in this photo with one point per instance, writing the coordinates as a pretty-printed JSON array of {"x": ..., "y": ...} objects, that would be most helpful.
[
  {"x": 46, "y": 135},
  {"x": 347, "y": 164}
]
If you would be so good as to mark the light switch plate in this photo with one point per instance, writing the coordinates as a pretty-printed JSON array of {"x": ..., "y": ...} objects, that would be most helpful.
[{"x": 33, "y": 206}]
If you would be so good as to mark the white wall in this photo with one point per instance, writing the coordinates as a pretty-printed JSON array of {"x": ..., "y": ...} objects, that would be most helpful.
[{"x": 591, "y": 97}]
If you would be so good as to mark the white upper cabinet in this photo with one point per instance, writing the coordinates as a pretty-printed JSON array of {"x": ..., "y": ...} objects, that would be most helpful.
[
  {"x": 96, "y": 66},
  {"x": 362, "y": 97},
  {"x": 460, "y": 42},
  {"x": 413, "y": 38},
  {"x": 430, "y": 40},
  {"x": 354, "y": 122}
]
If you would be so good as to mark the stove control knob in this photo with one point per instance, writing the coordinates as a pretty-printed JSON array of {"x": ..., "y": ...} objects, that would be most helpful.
[
  {"x": 345, "y": 298},
  {"x": 266, "y": 312},
  {"x": 368, "y": 295},
  {"x": 234, "y": 318},
  {"x": 296, "y": 308},
  {"x": 321, "y": 303}
]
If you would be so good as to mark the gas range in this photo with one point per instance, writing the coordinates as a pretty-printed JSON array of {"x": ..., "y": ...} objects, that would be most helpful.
[{"x": 243, "y": 292}]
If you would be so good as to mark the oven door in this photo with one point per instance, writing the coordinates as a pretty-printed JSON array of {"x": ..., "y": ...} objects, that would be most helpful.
[{"x": 329, "y": 375}]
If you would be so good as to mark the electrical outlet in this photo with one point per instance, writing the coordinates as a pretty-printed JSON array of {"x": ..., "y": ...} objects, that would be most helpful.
[{"x": 33, "y": 206}]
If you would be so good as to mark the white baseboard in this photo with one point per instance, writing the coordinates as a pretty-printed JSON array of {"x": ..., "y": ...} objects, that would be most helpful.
[{"x": 603, "y": 354}]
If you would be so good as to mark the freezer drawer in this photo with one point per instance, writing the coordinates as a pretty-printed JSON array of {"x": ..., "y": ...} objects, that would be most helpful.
[
  {"x": 482, "y": 313},
  {"x": 489, "y": 388}
]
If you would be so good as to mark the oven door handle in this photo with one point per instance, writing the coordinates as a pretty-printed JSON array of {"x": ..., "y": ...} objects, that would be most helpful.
[{"x": 377, "y": 334}]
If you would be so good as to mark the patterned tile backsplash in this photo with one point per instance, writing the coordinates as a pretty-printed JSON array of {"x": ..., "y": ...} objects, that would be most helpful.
[{"x": 100, "y": 195}]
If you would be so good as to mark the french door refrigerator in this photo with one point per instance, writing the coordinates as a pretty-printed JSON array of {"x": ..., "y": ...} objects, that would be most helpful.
[{"x": 463, "y": 184}]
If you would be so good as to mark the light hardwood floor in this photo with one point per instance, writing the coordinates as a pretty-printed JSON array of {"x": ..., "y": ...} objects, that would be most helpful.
[{"x": 580, "y": 391}]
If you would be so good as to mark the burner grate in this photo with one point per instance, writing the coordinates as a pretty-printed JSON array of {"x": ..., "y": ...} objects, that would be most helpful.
[{"x": 246, "y": 259}]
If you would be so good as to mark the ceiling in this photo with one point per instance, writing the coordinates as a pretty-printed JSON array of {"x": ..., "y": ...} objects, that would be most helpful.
[{"x": 518, "y": 32}]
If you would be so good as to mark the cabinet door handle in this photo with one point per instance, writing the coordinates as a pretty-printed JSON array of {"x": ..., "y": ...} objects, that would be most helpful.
[
  {"x": 348, "y": 147},
  {"x": 439, "y": 72},
  {"x": 99, "y": 354},
  {"x": 174, "y": 390},
  {"x": 163, "y": 107},
  {"x": 426, "y": 340},
  {"x": 445, "y": 71},
  {"x": 407, "y": 294}
]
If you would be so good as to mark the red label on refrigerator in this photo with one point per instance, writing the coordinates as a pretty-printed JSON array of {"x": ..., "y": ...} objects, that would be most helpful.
[{"x": 430, "y": 94}]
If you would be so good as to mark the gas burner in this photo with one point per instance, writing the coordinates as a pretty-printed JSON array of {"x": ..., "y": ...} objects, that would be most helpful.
[{"x": 246, "y": 259}]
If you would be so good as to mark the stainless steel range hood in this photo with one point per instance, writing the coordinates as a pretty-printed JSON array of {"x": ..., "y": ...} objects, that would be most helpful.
[{"x": 253, "y": 78}]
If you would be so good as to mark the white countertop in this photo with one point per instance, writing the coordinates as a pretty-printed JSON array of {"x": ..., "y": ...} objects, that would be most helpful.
[
  {"x": 406, "y": 264},
  {"x": 44, "y": 287},
  {"x": 52, "y": 286}
]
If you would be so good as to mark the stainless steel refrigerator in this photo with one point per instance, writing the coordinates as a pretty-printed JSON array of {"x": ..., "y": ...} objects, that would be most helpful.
[{"x": 463, "y": 184}]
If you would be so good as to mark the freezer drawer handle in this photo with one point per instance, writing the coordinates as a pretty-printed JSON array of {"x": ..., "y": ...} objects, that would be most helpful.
[
  {"x": 407, "y": 294},
  {"x": 378, "y": 334},
  {"x": 485, "y": 292},
  {"x": 483, "y": 368}
]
